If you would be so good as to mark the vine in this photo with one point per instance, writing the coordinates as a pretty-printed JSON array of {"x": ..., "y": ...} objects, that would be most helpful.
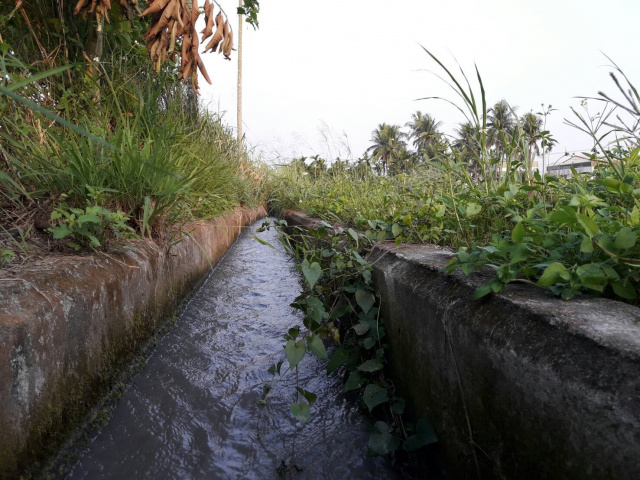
[{"x": 341, "y": 308}]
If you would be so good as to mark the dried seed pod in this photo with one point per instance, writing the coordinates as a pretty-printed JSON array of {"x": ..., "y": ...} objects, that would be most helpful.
[
  {"x": 154, "y": 7},
  {"x": 228, "y": 47},
  {"x": 163, "y": 22},
  {"x": 219, "y": 35},
  {"x": 225, "y": 33},
  {"x": 79, "y": 6},
  {"x": 203, "y": 70},
  {"x": 208, "y": 20}
]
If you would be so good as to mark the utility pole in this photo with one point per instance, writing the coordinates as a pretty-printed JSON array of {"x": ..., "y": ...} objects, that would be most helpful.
[{"x": 239, "y": 112}]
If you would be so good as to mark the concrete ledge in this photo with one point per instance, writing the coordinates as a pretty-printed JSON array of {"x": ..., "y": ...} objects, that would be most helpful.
[
  {"x": 535, "y": 387},
  {"x": 68, "y": 324},
  {"x": 532, "y": 386}
]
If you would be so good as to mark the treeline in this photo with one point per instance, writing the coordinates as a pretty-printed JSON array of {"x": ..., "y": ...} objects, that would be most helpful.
[{"x": 510, "y": 139}]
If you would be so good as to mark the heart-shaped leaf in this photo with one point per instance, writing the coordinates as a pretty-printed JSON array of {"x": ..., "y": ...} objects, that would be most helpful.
[
  {"x": 365, "y": 300},
  {"x": 295, "y": 351},
  {"x": 312, "y": 272},
  {"x": 316, "y": 347},
  {"x": 301, "y": 411},
  {"x": 374, "y": 396}
]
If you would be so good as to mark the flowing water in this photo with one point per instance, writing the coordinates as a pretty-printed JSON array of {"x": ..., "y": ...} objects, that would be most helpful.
[{"x": 192, "y": 412}]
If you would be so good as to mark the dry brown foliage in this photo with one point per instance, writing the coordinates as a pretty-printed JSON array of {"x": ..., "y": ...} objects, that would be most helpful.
[{"x": 173, "y": 22}]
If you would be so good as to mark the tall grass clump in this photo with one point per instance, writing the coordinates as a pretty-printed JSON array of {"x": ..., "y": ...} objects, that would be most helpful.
[{"x": 112, "y": 134}]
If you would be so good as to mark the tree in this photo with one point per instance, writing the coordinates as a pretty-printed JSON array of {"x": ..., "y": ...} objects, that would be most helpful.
[
  {"x": 388, "y": 146},
  {"x": 425, "y": 134},
  {"x": 467, "y": 147},
  {"x": 501, "y": 123}
]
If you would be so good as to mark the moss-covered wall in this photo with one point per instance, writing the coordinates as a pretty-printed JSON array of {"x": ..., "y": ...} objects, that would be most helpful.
[{"x": 68, "y": 325}]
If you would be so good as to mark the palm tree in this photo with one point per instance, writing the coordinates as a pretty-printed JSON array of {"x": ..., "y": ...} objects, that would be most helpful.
[
  {"x": 532, "y": 128},
  {"x": 318, "y": 166},
  {"x": 467, "y": 146},
  {"x": 388, "y": 145},
  {"x": 502, "y": 123},
  {"x": 501, "y": 119},
  {"x": 425, "y": 134}
]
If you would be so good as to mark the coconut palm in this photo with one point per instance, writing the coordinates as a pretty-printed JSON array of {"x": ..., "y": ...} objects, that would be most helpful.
[
  {"x": 532, "y": 128},
  {"x": 502, "y": 124},
  {"x": 388, "y": 145},
  {"x": 467, "y": 146},
  {"x": 425, "y": 134}
]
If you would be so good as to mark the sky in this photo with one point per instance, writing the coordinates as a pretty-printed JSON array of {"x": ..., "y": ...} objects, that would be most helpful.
[{"x": 320, "y": 76}]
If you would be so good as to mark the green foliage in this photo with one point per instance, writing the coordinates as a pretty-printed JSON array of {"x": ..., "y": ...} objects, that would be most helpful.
[
  {"x": 482, "y": 198},
  {"x": 250, "y": 8},
  {"x": 340, "y": 306},
  {"x": 93, "y": 227}
]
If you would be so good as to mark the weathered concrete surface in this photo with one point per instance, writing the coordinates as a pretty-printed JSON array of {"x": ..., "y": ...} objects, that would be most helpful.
[
  {"x": 67, "y": 325},
  {"x": 536, "y": 387}
]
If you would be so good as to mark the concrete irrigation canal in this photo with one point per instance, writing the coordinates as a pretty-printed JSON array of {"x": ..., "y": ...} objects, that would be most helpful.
[
  {"x": 192, "y": 411},
  {"x": 517, "y": 386}
]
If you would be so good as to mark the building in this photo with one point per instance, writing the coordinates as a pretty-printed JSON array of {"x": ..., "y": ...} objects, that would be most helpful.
[{"x": 562, "y": 168}]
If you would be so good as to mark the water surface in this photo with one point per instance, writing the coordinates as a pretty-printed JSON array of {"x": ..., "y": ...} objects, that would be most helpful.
[{"x": 192, "y": 412}]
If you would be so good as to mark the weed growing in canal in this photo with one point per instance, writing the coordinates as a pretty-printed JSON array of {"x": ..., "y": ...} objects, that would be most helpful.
[{"x": 340, "y": 306}]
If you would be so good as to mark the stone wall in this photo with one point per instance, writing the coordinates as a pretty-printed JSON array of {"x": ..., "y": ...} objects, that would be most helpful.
[
  {"x": 519, "y": 385},
  {"x": 69, "y": 324}
]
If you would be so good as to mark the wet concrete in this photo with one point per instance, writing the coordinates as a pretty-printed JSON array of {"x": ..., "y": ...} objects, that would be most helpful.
[{"x": 69, "y": 325}]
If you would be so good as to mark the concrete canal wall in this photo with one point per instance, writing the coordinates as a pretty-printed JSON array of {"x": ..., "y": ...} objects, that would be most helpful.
[
  {"x": 521, "y": 384},
  {"x": 68, "y": 325}
]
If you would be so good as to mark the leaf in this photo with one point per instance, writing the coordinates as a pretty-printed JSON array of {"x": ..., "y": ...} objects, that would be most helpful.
[
  {"x": 365, "y": 300},
  {"x": 371, "y": 366},
  {"x": 563, "y": 215},
  {"x": 473, "y": 209},
  {"x": 482, "y": 291},
  {"x": 355, "y": 381},
  {"x": 374, "y": 396},
  {"x": 301, "y": 411},
  {"x": 398, "y": 405},
  {"x": 624, "y": 289},
  {"x": 625, "y": 239},
  {"x": 586, "y": 246},
  {"x": 337, "y": 360},
  {"x": 589, "y": 224},
  {"x": 361, "y": 328},
  {"x": 295, "y": 351},
  {"x": 90, "y": 218},
  {"x": 381, "y": 441},
  {"x": 263, "y": 242},
  {"x": 309, "y": 396},
  {"x": 369, "y": 343},
  {"x": 517, "y": 235},
  {"x": 314, "y": 342},
  {"x": 312, "y": 272},
  {"x": 353, "y": 234},
  {"x": 424, "y": 435},
  {"x": 550, "y": 274},
  {"x": 396, "y": 230},
  {"x": 61, "y": 232}
]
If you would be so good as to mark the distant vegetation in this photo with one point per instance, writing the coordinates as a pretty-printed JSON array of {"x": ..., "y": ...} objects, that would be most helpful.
[{"x": 481, "y": 193}]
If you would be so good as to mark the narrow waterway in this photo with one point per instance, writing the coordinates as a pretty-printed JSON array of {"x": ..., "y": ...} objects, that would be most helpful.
[{"x": 192, "y": 412}]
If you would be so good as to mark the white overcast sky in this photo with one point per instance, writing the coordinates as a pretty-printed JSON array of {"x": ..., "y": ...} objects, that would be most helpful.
[{"x": 344, "y": 66}]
